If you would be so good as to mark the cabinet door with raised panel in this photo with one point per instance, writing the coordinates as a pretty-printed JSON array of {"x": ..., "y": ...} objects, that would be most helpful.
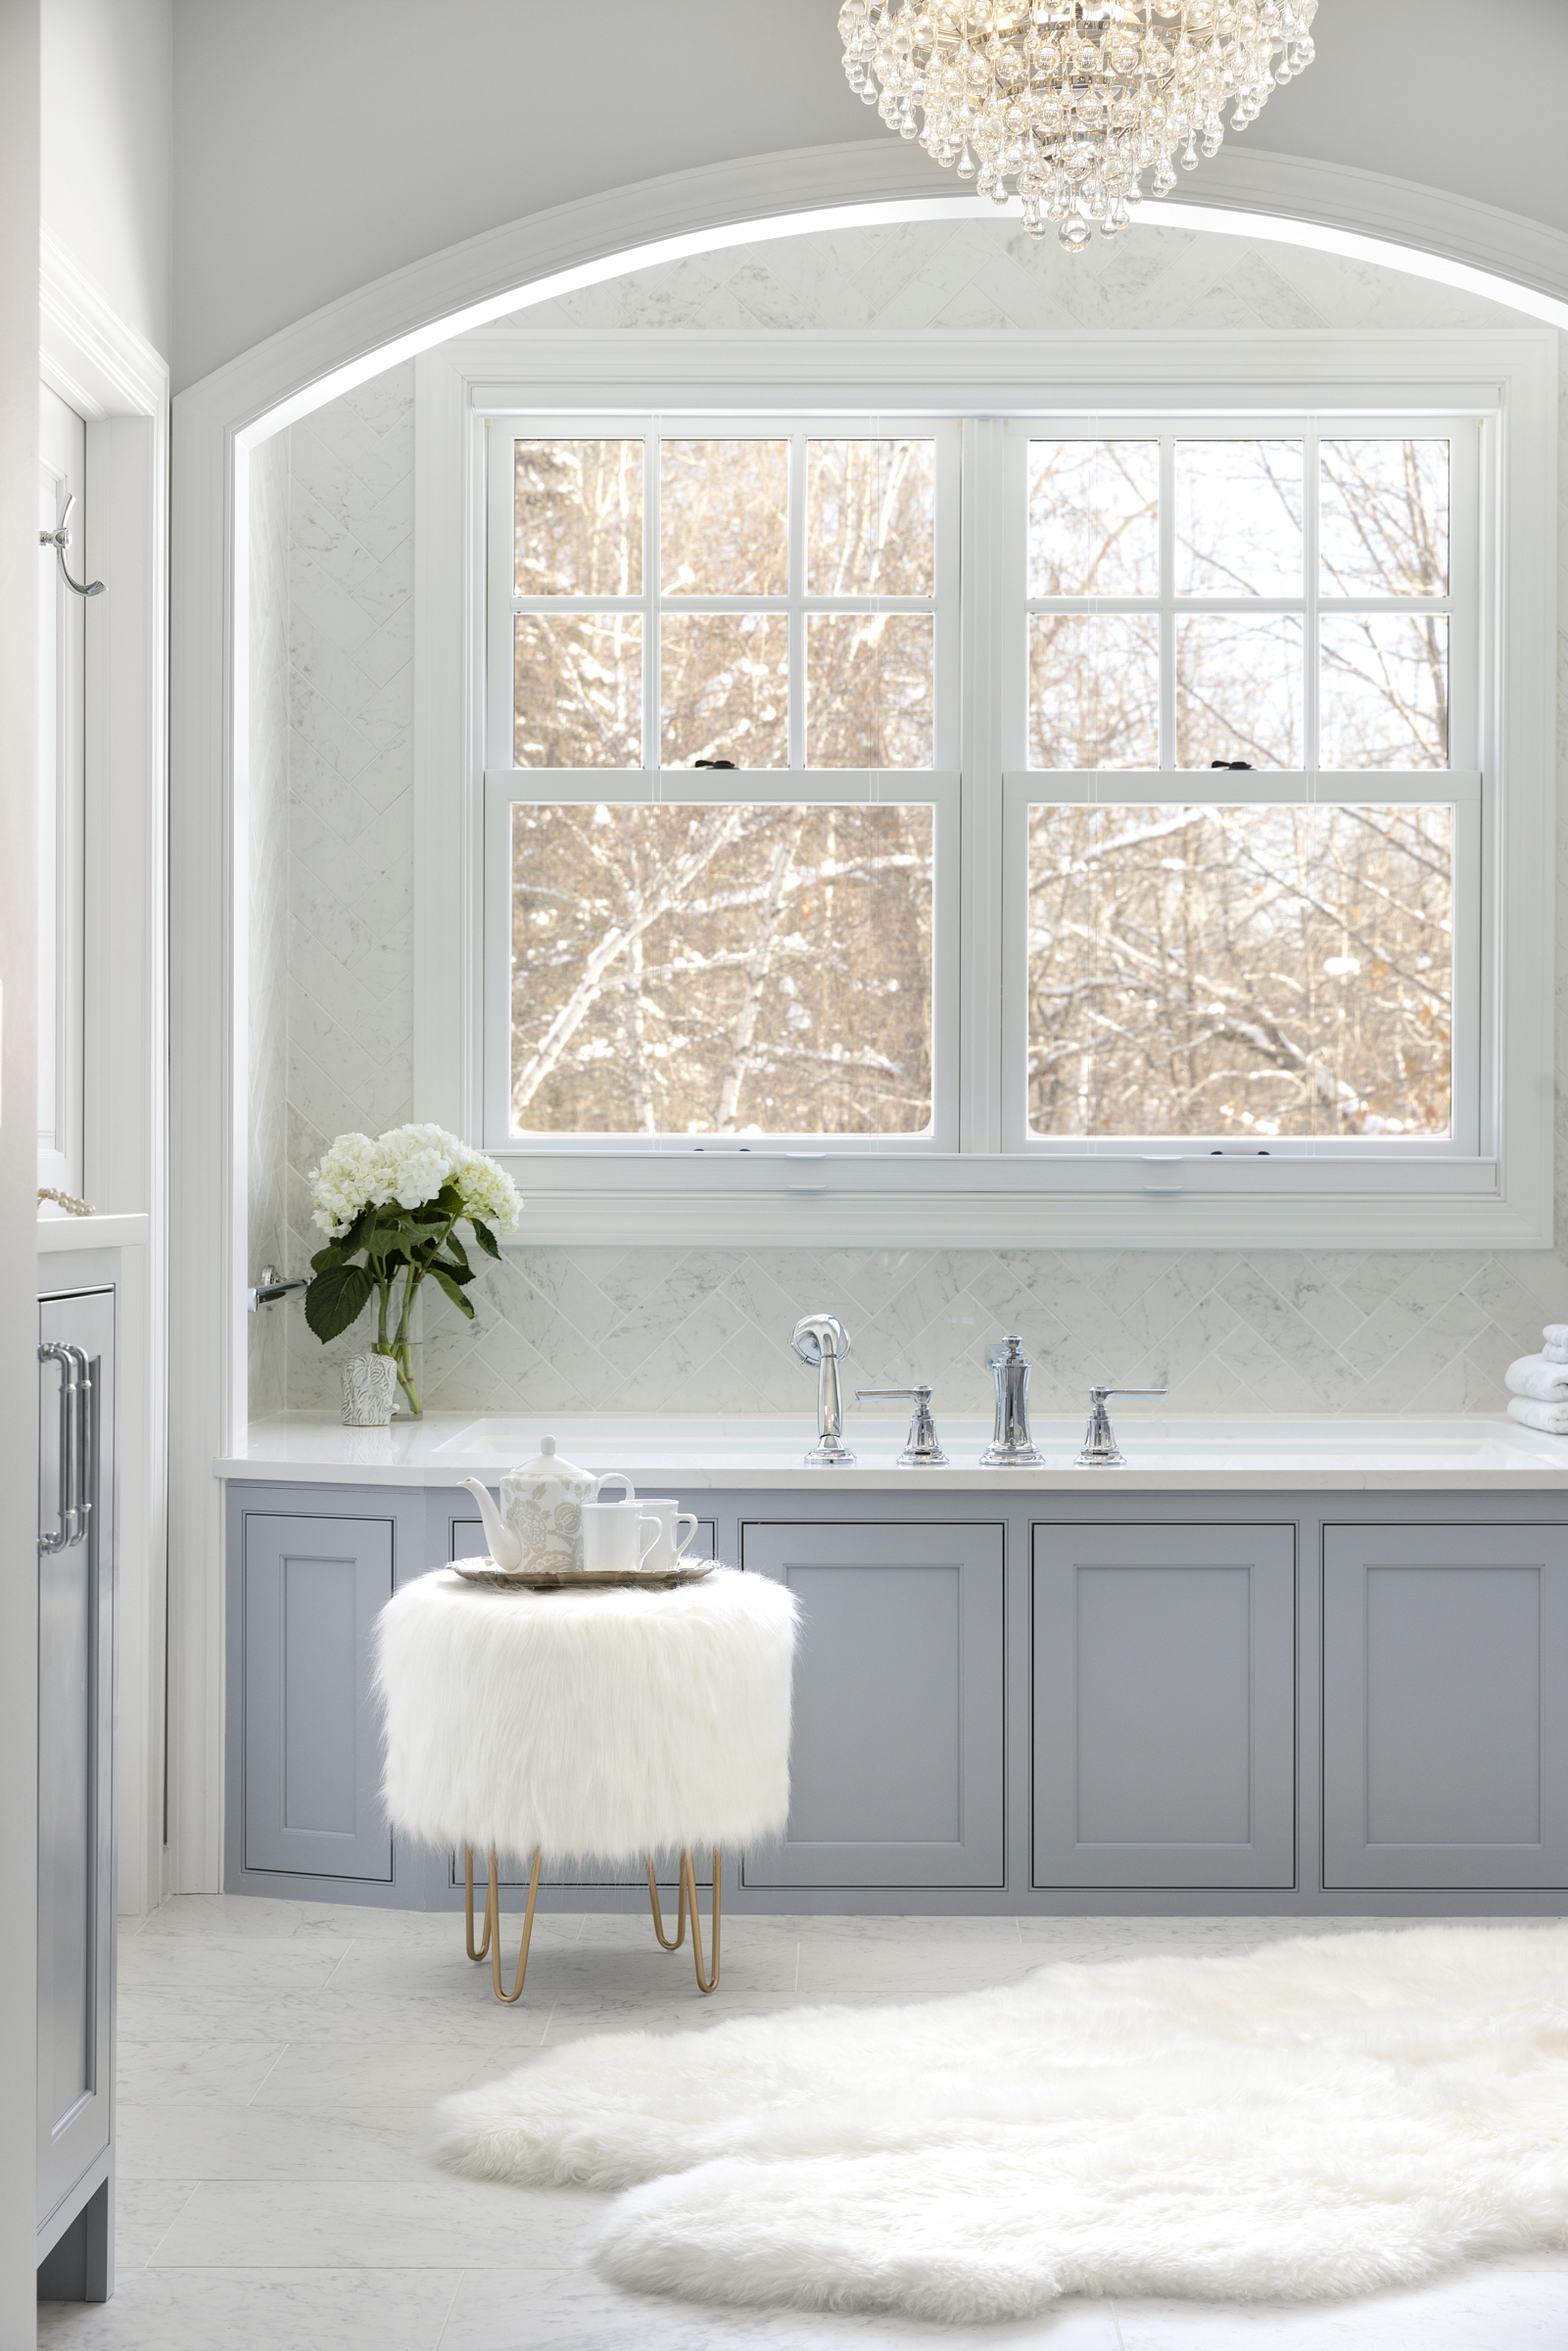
[
  {"x": 314, "y": 1588},
  {"x": 897, "y": 1755},
  {"x": 1165, "y": 1718},
  {"x": 1446, "y": 1705}
]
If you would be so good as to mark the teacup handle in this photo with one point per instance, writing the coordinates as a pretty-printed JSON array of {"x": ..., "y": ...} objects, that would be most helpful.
[
  {"x": 648, "y": 1531},
  {"x": 614, "y": 1477},
  {"x": 687, "y": 1519}
]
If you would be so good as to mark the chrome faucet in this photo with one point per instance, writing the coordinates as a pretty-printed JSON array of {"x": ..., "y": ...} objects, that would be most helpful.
[
  {"x": 822, "y": 1341},
  {"x": 1011, "y": 1446},
  {"x": 921, "y": 1448},
  {"x": 1100, "y": 1448}
]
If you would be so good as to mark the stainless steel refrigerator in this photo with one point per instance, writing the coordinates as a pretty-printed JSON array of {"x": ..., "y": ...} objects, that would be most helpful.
[{"x": 77, "y": 1561}]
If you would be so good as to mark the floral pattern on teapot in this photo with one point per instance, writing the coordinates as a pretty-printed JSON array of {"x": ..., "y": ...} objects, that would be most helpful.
[{"x": 537, "y": 1530}]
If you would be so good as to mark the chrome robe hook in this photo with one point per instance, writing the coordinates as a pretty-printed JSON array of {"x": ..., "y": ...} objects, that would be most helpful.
[{"x": 60, "y": 539}]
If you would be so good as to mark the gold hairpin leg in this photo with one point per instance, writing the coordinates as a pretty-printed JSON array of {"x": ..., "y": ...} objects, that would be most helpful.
[
  {"x": 658, "y": 1915},
  {"x": 493, "y": 1928},
  {"x": 689, "y": 1889},
  {"x": 483, "y": 1951}
]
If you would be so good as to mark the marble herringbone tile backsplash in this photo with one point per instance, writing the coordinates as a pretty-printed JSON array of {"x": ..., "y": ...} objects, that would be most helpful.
[
  {"x": 629, "y": 1329},
  {"x": 708, "y": 1330}
]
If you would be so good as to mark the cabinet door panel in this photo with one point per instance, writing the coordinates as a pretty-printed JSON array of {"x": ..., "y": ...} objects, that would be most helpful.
[
  {"x": 76, "y": 1770},
  {"x": 897, "y": 1759},
  {"x": 1444, "y": 1694},
  {"x": 1165, "y": 1663},
  {"x": 314, "y": 1588}
]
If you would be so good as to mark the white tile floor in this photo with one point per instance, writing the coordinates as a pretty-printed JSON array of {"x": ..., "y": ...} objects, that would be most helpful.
[{"x": 279, "y": 2060}]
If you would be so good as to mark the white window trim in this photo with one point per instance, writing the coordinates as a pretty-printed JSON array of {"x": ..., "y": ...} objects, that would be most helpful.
[{"x": 981, "y": 1195}]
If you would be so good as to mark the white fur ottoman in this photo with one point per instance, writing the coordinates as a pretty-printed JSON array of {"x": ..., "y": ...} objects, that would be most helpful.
[{"x": 597, "y": 1725}]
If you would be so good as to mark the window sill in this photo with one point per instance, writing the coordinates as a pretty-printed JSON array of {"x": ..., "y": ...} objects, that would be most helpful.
[{"x": 982, "y": 1201}]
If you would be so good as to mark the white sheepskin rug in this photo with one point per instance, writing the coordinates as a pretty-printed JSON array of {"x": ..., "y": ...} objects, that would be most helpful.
[{"x": 1326, "y": 2115}]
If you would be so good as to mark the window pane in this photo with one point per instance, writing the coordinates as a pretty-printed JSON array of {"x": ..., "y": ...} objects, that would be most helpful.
[
  {"x": 1384, "y": 698},
  {"x": 731, "y": 970},
  {"x": 1094, "y": 518},
  {"x": 578, "y": 690},
  {"x": 1239, "y": 518},
  {"x": 724, "y": 517},
  {"x": 868, "y": 689},
  {"x": 1242, "y": 972},
  {"x": 1384, "y": 525},
  {"x": 579, "y": 519},
  {"x": 871, "y": 508},
  {"x": 723, "y": 687},
  {"x": 1239, "y": 690},
  {"x": 1094, "y": 690}
]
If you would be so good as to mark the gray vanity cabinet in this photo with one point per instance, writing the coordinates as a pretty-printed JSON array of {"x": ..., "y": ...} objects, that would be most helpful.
[
  {"x": 896, "y": 1765},
  {"x": 1446, "y": 1705},
  {"x": 312, "y": 1590},
  {"x": 1164, "y": 1720}
]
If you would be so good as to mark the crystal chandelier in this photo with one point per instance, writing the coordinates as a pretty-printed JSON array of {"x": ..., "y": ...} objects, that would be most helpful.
[{"x": 1073, "y": 100}]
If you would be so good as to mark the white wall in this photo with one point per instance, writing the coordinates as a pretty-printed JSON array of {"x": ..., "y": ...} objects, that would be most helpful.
[
  {"x": 616, "y": 1329},
  {"x": 107, "y": 177},
  {"x": 322, "y": 143},
  {"x": 18, "y": 1161}
]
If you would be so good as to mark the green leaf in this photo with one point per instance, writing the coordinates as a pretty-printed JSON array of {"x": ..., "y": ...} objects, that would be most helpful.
[
  {"x": 325, "y": 1258},
  {"x": 337, "y": 1298},
  {"x": 459, "y": 1273},
  {"x": 457, "y": 1250},
  {"x": 354, "y": 1238},
  {"x": 485, "y": 1237},
  {"x": 452, "y": 1291}
]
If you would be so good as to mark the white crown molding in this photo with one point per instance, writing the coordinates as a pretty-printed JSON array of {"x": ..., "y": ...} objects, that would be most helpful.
[{"x": 87, "y": 354}]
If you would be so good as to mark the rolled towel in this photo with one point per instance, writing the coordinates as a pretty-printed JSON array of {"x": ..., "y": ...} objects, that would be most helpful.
[
  {"x": 1555, "y": 1342},
  {"x": 1552, "y": 1418},
  {"x": 1532, "y": 1375}
]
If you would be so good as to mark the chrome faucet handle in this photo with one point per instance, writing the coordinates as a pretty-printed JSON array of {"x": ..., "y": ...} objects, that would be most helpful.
[
  {"x": 822, "y": 1341},
  {"x": 1100, "y": 1448},
  {"x": 921, "y": 1448}
]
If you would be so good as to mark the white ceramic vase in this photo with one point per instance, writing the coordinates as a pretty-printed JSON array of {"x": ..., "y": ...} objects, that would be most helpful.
[{"x": 369, "y": 1390}]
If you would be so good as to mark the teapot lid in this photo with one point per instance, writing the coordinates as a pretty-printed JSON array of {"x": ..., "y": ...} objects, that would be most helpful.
[{"x": 548, "y": 1462}]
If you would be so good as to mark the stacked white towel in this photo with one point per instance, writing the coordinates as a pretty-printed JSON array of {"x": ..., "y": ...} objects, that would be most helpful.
[
  {"x": 1555, "y": 1342},
  {"x": 1540, "y": 1384}
]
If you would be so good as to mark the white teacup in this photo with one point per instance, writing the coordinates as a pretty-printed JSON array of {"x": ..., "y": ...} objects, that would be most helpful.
[
  {"x": 672, "y": 1546},
  {"x": 618, "y": 1536}
]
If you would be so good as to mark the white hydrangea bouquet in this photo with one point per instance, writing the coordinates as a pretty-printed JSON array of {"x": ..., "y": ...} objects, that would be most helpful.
[{"x": 391, "y": 1209}]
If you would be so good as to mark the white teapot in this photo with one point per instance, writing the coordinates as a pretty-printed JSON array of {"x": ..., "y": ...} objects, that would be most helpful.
[{"x": 539, "y": 1526}]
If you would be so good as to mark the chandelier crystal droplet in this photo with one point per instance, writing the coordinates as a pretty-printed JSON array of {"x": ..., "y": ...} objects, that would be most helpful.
[{"x": 1072, "y": 100}]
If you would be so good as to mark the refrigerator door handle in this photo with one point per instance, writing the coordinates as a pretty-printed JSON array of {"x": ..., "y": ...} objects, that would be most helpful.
[
  {"x": 62, "y": 1535},
  {"x": 85, "y": 1448}
]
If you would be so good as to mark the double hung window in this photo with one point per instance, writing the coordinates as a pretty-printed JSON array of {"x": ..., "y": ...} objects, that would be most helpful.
[
  {"x": 1279, "y": 953},
  {"x": 1033, "y": 799},
  {"x": 722, "y": 859}
]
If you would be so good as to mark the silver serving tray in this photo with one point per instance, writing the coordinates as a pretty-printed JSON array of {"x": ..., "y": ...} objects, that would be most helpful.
[{"x": 600, "y": 1580}]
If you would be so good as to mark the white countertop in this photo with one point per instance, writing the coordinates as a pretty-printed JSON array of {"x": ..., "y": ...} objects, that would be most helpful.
[
  {"x": 61, "y": 1230},
  {"x": 694, "y": 1454}
]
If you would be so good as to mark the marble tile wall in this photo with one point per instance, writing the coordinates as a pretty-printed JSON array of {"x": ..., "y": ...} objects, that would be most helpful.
[
  {"x": 636, "y": 1329},
  {"x": 270, "y": 902}
]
